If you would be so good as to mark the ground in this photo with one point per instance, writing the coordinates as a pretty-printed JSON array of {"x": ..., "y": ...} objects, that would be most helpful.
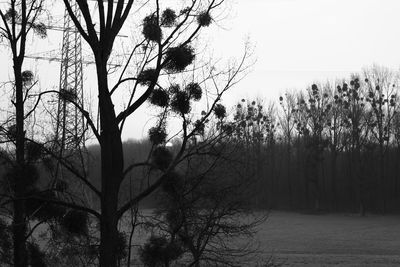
[{"x": 296, "y": 239}]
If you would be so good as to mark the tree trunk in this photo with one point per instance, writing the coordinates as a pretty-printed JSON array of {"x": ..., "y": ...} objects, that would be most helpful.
[
  {"x": 111, "y": 170},
  {"x": 289, "y": 173},
  {"x": 334, "y": 177},
  {"x": 19, "y": 223},
  {"x": 397, "y": 176},
  {"x": 382, "y": 176}
]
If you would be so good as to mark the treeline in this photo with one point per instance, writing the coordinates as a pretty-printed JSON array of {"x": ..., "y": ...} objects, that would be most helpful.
[{"x": 333, "y": 147}]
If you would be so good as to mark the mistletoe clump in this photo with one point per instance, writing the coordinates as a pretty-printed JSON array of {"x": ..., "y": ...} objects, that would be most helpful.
[
  {"x": 39, "y": 206},
  {"x": 159, "y": 97},
  {"x": 75, "y": 222},
  {"x": 24, "y": 176},
  {"x": 60, "y": 186},
  {"x": 11, "y": 14},
  {"x": 199, "y": 127},
  {"x": 68, "y": 94},
  {"x": 162, "y": 157},
  {"x": 121, "y": 248},
  {"x": 204, "y": 19},
  {"x": 220, "y": 111},
  {"x": 27, "y": 76},
  {"x": 173, "y": 183},
  {"x": 40, "y": 29},
  {"x": 157, "y": 135},
  {"x": 147, "y": 77},
  {"x": 12, "y": 132},
  {"x": 34, "y": 151},
  {"x": 159, "y": 251},
  {"x": 6, "y": 243},
  {"x": 174, "y": 88},
  {"x": 178, "y": 58},
  {"x": 180, "y": 102},
  {"x": 194, "y": 90},
  {"x": 168, "y": 18},
  {"x": 151, "y": 28},
  {"x": 36, "y": 256}
]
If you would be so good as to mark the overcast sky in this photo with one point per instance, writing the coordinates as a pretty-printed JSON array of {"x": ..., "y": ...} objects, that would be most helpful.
[
  {"x": 301, "y": 41},
  {"x": 297, "y": 42}
]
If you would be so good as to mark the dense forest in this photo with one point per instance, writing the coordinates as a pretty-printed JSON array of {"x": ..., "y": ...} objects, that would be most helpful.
[{"x": 332, "y": 147}]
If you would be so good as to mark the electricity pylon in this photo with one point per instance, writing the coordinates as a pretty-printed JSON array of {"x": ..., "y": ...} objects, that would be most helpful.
[{"x": 70, "y": 127}]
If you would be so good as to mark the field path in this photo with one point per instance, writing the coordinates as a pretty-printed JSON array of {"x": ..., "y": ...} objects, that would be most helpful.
[{"x": 331, "y": 240}]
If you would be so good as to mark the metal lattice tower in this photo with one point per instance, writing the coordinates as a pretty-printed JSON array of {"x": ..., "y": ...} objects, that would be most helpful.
[
  {"x": 70, "y": 124},
  {"x": 70, "y": 127}
]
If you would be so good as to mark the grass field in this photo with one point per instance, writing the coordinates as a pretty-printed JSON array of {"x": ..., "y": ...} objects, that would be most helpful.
[
  {"x": 295, "y": 239},
  {"x": 331, "y": 240}
]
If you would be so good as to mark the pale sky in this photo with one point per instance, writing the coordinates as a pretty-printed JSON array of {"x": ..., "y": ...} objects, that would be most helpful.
[
  {"x": 297, "y": 42},
  {"x": 301, "y": 41}
]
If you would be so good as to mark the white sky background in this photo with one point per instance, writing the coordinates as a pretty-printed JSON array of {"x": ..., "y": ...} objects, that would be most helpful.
[{"x": 297, "y": 42}]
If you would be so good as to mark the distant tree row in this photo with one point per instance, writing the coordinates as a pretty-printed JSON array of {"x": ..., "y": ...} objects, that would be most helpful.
[{"x": 334, "y": 146}]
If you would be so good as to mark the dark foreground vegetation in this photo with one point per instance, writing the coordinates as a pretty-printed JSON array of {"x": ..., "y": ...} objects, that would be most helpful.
[{"x": 49, "y": 181}]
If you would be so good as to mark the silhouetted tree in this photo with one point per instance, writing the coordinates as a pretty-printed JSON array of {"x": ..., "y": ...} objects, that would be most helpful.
[
  {"x": 336, "y": 118},
  {"x": 287, "y": 122},
  {"x": 382, "y": 89},
  {"x": 316, "y": 110},
  {"x": 255, "y": 125},
  {"x": 19, "y": 18},
  {"x": 204, "y": 207},
  {"x": 164, "y": 48}
]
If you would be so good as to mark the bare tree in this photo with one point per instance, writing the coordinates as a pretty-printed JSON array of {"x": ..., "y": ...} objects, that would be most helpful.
[
  {"x": 205, "y": 210},
  {"x": 382, "y": 87},
  {"x": 287, "y": 122},
  {"x": 19, "y": 18},
  {"x": 163, "y": 48},
  {"x": 335, "y": 128},
  {"x": 312, "y": 126}
]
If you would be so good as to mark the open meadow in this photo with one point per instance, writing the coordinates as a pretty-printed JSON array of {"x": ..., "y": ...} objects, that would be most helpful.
[
  {"x": 331, "y": 240},
  {"x": 296, "y": 239}
]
